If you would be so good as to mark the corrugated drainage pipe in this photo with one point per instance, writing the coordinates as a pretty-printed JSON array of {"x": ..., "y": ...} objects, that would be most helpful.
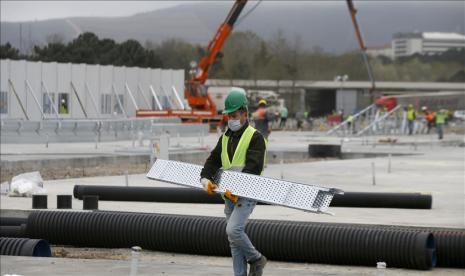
[
  {"x": 186, "y": 195},
  {"x": 283, "y": 241},
  {"x": 13, "y": 231},
  {"x": 12, "y": 221},
  {"x": 24, "y": 247}
]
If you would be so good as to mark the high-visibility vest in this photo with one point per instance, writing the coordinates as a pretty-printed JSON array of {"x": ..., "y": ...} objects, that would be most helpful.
[
  {"x": 441, "y": 118},
  {"x": 260, "y": 114},
  {"x": 240, "y": 154},
  {"x": 411, "y": 114}
]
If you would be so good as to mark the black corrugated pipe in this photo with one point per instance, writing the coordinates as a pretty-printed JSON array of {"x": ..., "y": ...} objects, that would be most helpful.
[
  {"x": 278, "y": 240},
  {"x": 186, "y": 195},
  {"x": 13, "y": 231},
  {"x": 12, "y": 221},
  {"x": 25, "y": 247}
]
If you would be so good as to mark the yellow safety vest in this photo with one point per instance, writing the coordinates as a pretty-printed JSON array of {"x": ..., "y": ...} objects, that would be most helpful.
[
  {"x": 411, "y": 114},
  {"x": 240, "y": 154},
  {"x": 441, "y": 118}
]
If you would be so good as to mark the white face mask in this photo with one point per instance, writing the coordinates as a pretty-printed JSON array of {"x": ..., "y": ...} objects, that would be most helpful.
[{"x": 234, "y": 125}]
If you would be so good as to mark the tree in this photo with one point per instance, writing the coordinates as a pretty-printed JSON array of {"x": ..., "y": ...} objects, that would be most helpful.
[{"x": 8, "y": 52}]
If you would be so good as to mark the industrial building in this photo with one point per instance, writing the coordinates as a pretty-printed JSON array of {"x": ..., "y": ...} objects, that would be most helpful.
[
  {"x": 406, "y": 44},
  {"x": 79, "y": 91}
]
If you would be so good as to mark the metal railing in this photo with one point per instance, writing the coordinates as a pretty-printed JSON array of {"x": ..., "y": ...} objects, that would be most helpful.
[{"x": 98, "y": 130}]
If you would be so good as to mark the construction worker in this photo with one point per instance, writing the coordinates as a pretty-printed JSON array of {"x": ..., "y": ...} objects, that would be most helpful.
[
  {"x": 284, "y": 113},
  {"x": 429, "y": 118},
  {"x": 411, "y": 116},
  {"x": 63, "y": 107},
  {"x": 440, "y": 121},
  {"x": 350, "y": 126},
  {"x": 241, "y": 148},
  {"x": 261, "y": 119}
]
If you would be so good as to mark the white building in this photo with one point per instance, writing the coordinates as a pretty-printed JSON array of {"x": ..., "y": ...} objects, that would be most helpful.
[
  {"x": 384, "y": 50},
  {"x": 406, "y": 44},
  {"x": 64, "y": 90}
]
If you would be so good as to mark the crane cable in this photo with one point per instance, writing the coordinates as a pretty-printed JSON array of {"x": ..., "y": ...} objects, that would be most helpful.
[{"x": 248, "y": 13}]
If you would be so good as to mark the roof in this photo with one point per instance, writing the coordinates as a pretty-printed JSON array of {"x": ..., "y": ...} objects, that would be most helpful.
[
  {"x": 444, "y": 36},
  {"x": 380, "y": 85}
]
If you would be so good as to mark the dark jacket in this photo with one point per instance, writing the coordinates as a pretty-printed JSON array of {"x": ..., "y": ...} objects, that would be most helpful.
[{"x": 254, "y": 158}]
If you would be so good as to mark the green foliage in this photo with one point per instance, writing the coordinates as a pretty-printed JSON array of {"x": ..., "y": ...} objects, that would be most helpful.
[
  {"x": 6, "y": 51},
  {"x": 88, "y": 48},
  {"x": 246, "y": 55}
]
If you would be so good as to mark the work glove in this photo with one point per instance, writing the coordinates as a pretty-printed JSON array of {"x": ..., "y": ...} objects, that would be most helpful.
[{"x": 208, "y": 185}]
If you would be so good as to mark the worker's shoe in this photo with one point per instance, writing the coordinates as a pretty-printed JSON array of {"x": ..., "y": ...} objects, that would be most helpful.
[{"x": 256, "y": 267}]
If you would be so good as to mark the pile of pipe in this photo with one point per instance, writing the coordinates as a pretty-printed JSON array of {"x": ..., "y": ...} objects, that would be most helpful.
[
  {"x": 291, "y": 241},
  {"x": 24, "y": 247},
  {"x": 188, "y": 195}
]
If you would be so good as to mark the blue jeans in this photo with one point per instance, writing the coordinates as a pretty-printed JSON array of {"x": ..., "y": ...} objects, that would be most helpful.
[
  {"x": 242, "y": 249},
  {"x": 410, "y": 127},
  {"x": 440, "y": 130}
]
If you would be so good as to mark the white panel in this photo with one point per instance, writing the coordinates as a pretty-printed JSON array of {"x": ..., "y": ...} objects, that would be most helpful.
[
  {"x": 50, "y": 80},
  {"x": 78, "y": 78},
  {"x": 18, "y": 77},
  {"x": 106, "y": 80},
  {"x": 166, "y": 81},
  {"x": 64, "y": 86},
  {"x": 132, "y": 80},
  {"x": 156, "y": 82},
  {"x": 4, "y": 86},
  {"x": 34, "y": 77},
  {"x": 178, "y": 82},
  {"x": 144, "y": 82},
  {"x": 119, "y": 78},
  {"x": 93, "y": 79},
  {"x": 4, "y": 74}
]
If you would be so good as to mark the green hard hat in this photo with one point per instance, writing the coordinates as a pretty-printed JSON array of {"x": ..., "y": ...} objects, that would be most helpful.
[{"x": 235, "y": 100}]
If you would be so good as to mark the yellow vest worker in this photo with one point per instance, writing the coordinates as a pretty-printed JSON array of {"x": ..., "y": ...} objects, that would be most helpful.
[{"x": 241, "y": 148}]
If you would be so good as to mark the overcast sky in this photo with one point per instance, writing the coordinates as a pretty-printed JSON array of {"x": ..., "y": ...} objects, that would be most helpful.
[{"x": 39, "y": 10}]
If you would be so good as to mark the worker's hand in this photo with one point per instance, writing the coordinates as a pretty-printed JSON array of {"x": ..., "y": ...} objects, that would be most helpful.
[{"x": 208, "y": 185}]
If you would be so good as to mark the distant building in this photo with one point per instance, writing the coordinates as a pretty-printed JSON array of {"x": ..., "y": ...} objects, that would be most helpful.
[
  {"x": 384, "y": 50},
  {"x": 406, "y": 44}
]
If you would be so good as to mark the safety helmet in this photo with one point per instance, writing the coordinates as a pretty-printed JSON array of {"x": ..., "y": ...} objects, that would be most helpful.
[
  {"x": 235, "y": 100},
  {"x": 424, "y": 108},
  {"x": 262, "y": 101},
  {"x": 410, "y": 105}
]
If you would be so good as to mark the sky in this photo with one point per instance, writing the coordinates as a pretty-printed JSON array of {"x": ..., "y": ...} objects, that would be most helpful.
[{"x": 14, "y": 11}]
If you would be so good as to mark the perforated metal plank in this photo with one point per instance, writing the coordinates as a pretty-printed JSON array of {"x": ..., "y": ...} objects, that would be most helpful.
[{"x": 278, "y": 192}]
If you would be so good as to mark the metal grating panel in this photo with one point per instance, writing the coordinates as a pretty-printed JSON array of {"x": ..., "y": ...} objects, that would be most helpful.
[{"x": 279, "y": 192}]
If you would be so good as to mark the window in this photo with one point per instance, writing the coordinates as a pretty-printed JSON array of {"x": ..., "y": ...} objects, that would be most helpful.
[
  {"x": 3, "y": 102},
  {"x": 63, "y": 103},
  {"x": 105, "y": 104},
  {"x": 116, "y": 107},
  {"x": 46, "y": 104}
]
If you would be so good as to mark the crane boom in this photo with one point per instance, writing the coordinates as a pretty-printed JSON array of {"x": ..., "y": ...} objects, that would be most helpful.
[
  {"x": 363, "y": 48},
  {"x": 195, "y": 92}
]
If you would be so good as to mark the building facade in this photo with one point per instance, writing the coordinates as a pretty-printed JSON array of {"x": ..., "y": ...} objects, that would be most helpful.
[
  {"x": 406, "y": 44},
  {"x": 45, "y": 90}
]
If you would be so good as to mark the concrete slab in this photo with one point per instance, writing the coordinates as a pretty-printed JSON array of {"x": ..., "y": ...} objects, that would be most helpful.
[
  {"x": 428, "y": 166},
  {"x": 159, "y": 263}
]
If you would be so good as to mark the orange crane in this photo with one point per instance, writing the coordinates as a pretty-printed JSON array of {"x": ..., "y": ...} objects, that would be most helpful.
[
  {"x": 203, "y": 109},
  {"x": 363, "y": 48}
]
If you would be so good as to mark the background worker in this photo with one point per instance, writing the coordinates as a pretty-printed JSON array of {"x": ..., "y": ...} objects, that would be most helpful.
[
  {"x": 63, "y": 107},
  {"x": 429, "y": 118},
  {"x": 241, "y": 148},
  {"x": 411, "y": 116},
  {"x": 283, "y": 114},
  {"x": 440, "y": 121},
  {"x": 261, "y": 119}
]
